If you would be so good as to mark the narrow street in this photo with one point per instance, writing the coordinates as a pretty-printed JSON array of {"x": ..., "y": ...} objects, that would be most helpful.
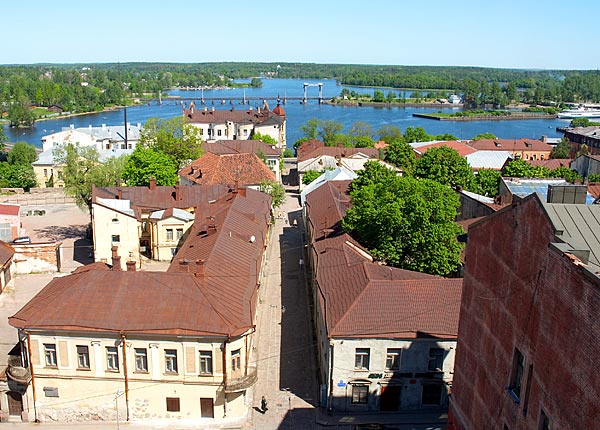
[{"x": 285, "y": 352}]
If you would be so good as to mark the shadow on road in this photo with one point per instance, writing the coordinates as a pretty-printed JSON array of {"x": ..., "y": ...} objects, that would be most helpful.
[{"x": 57, "y": 233}]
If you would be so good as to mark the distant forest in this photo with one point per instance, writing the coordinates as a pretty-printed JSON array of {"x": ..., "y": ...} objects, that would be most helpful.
[{"x": 93, "y": 87}]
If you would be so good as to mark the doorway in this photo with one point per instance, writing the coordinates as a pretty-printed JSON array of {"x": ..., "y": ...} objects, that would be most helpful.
[
  {"x": 207, "y": 408},
  {"x": 390, "y": 397},
  {"x": 15, "y": 403}
]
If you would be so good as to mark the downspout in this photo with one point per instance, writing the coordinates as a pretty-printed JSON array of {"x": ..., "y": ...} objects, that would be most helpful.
[
  {"x": 32, "y": 375},
  {"x": 225, "y": 377},
  {"x": 124, "y": 341},
  {"x": 330, "y": 401}
]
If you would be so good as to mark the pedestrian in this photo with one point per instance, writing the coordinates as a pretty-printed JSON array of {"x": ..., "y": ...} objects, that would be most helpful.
[{"x": 263, "y": 404}]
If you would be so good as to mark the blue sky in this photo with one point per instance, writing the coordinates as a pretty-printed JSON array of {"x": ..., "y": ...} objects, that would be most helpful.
[{"x": 508, "y": 34}]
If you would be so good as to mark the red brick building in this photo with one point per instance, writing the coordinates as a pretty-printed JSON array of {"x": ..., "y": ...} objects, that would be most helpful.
[{"x": 529, "y": 332}]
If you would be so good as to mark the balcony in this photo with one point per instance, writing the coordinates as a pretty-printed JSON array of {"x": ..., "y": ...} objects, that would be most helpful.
[{"x": 234, "y": 385}]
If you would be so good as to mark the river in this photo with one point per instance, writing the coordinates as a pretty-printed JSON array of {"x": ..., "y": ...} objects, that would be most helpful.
[{"x": 298, "y": 114}]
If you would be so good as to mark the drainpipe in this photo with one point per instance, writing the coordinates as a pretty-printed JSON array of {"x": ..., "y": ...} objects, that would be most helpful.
[
  {"x": 124, "y": 341},
  {"x": 329, "y": 402},
  {"x": 32, "y": 375},
  {"x": 225, "y": 377}
]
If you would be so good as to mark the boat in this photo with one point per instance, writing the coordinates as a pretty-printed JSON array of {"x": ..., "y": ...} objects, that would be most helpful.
[{"x": 580, "y": 112}]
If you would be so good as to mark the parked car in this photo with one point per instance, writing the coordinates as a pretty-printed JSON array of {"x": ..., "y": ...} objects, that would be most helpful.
[{"x": 22, "y": 240}]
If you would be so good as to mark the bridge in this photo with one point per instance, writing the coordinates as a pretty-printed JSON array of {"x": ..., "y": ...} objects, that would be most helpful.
[{"x": 247, "y": 100}]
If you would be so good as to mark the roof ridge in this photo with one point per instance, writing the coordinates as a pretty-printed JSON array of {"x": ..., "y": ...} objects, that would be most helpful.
[{"x": 356, "y": 300}]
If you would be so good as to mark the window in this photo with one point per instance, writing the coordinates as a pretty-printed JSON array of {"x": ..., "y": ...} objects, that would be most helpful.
[
  {"x": 141, "y": 360},
  {"x": 201, "y": 132},
  {"x": 60, "y": 174},
  {"x": 360, "y": 394},
  {"x": 173, "y": 252},
  {"x": 436, "y": 359},
  {"x": 392, "y": 361},
  {"x": 179, "y": 233},
  {"x": 432, "y": 394},
  {"x": 172, "y": 404},
  {"x": 169, "y": 234},
  {"x": 544, "y": 421},
  {"x": 361, "y": 358},
  {"x": 115, "y": 238},
  {"x": 45, "y": 173},
  {"x": 83, "y": 357},
  {"x": 206, "y": 362},
  {"x": 50, "y": 354},
  {"x": 516, "y": 378},
  {"x": 245, "y": 132},
  {"x": 170, "y": 361},
  {"x": 112, "y": 358},
  {"x": 235, "y": 359},
  {"x": 218, "y": 132}
]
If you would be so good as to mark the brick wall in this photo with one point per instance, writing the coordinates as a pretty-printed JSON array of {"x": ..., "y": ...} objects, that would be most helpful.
[
  {"x": 37, "y": 258},
  {"x": 520, "y": 292}
]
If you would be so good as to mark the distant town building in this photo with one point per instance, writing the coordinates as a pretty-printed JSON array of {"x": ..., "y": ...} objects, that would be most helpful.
[
  {"x": 525, "y": 149},
  {"x": 586, "y": 165},
  {"x": 238, "y": 124},
  {"x": 109, "y": 141},
  {"x": 477, "y": 159},
  {"x": 528, "y": 340},
  {"x": 588, "y": 136}
]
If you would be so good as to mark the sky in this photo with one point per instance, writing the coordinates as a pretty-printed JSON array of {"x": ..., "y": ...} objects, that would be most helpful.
[{"x": 525, "y": 34}]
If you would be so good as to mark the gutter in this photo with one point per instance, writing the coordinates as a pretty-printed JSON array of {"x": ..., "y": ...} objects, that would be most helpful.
[
  {"x": 124, "y": 341},
  {"x": 32, "y": 375}
]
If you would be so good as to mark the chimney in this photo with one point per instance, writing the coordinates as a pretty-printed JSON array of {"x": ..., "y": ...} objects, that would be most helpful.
[
  {"x": 152, "y": 183},
  {"x": 116, "y": 259},
  {"x": 236, "y": 186},
  {"x": 184, "y": 264},
  {"x": 178, "y": 195},
  {"x": 192, "y": 107},
  {"x": 339, "y": 145},
  {"x": 242, "y": 192},
  {"x": 200, "y": 269},
  {"x": 545, "y": 139},
  {"x": 130, "y": 266},
  {"x": 120, "y": 194},
  {"x": 103, "y": 126}
]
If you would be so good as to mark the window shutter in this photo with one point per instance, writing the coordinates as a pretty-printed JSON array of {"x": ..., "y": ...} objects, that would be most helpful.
[
  {"x": 63, "y": 353},
  {"x": 190, "y": 359}
]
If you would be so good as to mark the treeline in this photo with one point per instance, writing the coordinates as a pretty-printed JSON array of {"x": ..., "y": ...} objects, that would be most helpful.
[{"x": 92, "y": 87}]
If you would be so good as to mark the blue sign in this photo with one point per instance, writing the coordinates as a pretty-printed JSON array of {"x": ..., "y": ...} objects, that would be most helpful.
[{"x": 341, "y": 383}]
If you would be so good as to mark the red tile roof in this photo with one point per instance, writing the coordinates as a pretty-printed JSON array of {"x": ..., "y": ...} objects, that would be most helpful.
[
  {"x": 211, "y": 169},
  {"x": 594, "y": 189},
  {"x": 207, "y": 116},
  {"x": 213, "y": 297},
  {"x": 240, "y": 147},
  {"x": 6, "y": 253},
  {"x": 6, "y": 209},
  {"x": 326, "y": 206},
  {"x": 316, "y": 148},
  {"x": 462, "y": 148},
  {"x": 551, "y": 164},
  {"x": 510, "y": 145}
]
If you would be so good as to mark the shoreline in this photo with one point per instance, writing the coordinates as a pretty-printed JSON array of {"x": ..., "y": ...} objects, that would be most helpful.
[
  {"x": 354, "y": 103},
  {"x": 513, "y": 117}
]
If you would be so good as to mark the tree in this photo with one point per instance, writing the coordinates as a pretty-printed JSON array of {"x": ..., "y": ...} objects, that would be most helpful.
[
  {"x": 417, "y": 134},
  {"x": 256, "y": 83},
  {"x": 145, "y": 163},
  {"x": 446, "y": 136},
  {"x": 401, "y": 154},
  {"x": 22, "y": 153},
  {"x": 562, "y": 149},
  {"x": 488, "y": 182},
  {"x": 565, "y": 173},
  {"x": 378, "y": 96},
  {"x": 484, "y": 136},
  {"x": 388, "y": 133},
  {"x": 174, "y": 137},
  {"x": 594, "y": 177},
  {"x": 328, "y": 130},
  {"x": 372, "y": 173},
  {"x": 408, "y": 223},
  {"x": 19, "y": 113},
  {"x": 310, "y": 175},
  {"x": 446, "y": 166},
  {"x": 275, "y": 190},
  {"x": 17, "y": 176},
  {"x": 310, "y": 129},
  {"x": 265, "y": 138},
  {"x": 82, "y": 169},
  {"x": 287, "y": 153}
]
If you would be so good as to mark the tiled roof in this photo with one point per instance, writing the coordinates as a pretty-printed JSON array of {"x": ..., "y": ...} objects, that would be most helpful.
[
  {"x": 6, "y": 253},
  {"x": 240, "y": 147},
  {"x": 510, "y": 145},
  {"x": 211, "y": 169},
  {"x": 551, "y": 164},
  {"x": 315, "y": 148},
  {"x": 326, "y": 206},
  {"x": 594, "y": 189},
  {"x": 462, "y": 148},
  {"x": 209, "y": 289},
  {"x": 6, "y": 209},
  {"x": 207, "y": 116}
]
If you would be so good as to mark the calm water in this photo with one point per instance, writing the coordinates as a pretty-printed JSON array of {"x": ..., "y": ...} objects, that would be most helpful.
[{"x": 298, "y": 114}]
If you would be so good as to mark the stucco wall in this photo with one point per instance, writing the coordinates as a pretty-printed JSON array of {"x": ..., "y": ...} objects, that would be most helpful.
[{"x": 126, "y": 227}]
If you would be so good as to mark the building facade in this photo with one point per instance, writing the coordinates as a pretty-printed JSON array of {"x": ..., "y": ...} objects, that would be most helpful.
[{"x": 528, "y": 333}]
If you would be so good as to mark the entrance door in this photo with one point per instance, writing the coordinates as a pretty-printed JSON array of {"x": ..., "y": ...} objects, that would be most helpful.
[
  {"x": 15, "y": 403},
  {"x": 207, "y": 409},
  {"x": 390, "y": 398}
]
